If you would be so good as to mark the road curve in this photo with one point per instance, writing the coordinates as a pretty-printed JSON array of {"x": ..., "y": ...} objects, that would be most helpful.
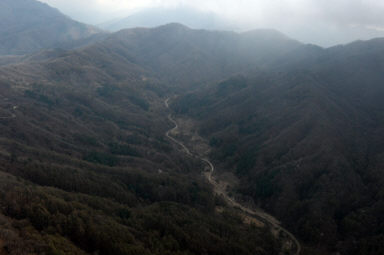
[
  {"x": 230, "y": 200},
  {"x": 250, "y": 211},
  {"x": 185, "y": 149}
]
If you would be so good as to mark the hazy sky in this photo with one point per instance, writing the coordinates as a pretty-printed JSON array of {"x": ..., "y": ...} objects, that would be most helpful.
[{"x": 324, "y": 22}]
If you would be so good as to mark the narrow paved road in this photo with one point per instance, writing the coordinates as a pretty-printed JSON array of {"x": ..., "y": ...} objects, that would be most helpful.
[
  {"x": 219, "y": 191},
  {"x": 186, "y": 150}
]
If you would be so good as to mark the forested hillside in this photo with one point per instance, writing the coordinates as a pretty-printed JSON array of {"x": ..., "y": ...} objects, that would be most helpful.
[
  {"x": 27, "y": 26},
  {"x": 184, "y": 57},
  {"x": 86, "y": 167},
  {"x": 89, "y": 165},
  {"x": 306, "y": 143}
]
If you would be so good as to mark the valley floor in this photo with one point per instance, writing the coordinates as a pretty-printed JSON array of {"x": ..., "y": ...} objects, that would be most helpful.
[{"x": 289, "y": 243}]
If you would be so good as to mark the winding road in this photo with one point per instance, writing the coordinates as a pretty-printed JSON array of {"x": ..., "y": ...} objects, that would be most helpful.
[
  {"x": 185, "y": 149},
  {"x": 257, "y": 214}
]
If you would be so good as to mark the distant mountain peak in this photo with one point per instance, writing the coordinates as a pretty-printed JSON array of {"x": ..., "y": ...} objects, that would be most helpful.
[
  {"x": 154, "y": 17},
  {"x": 28, "y": 25},
  {"x": 173, "y": 26},
  {"x": 267, "y": 33}
]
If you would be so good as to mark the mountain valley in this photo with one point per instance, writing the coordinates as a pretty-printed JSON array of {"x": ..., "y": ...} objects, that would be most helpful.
[{"x": 172, "y": 140}]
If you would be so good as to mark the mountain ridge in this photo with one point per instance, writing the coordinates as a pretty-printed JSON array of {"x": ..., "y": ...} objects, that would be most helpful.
[
  {"x": 188, "y": 56},
  {"x": 160, "y": 16},
  {"x": 86, "y": 167},
  {"x": 28, "y": 25}
]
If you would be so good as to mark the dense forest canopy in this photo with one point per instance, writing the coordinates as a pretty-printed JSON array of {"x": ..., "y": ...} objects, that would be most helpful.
[{"x": 167, "y": 140}]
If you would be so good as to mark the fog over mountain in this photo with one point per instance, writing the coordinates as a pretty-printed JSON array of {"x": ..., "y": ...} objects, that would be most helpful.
[
  {"x": 154, "y": 17},
  {"x": 236, "y": 139},
  {"x": 27, "y": 26},
  {"x": 325, "y": 23}
]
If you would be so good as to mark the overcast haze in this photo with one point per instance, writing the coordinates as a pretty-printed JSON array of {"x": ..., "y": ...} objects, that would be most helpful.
[{"x": 321, "y": 22}]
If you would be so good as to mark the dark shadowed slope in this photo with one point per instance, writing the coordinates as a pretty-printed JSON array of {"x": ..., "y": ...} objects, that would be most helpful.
[
  {"x": 28, "y": 25},
  {"x": 306, "y": 143},
  {"x": 85, "y": 167},
  {"x": 90, "y": 171}
]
